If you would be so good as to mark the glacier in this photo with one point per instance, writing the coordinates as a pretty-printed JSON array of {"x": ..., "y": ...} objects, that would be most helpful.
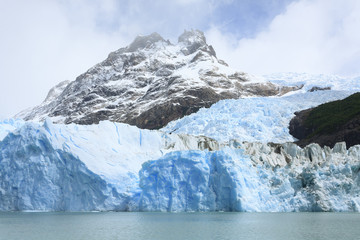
[
  {"x": 234, "y": 156},
  {"x": 56, "y": 167},
  {"x": 35, "y": 176},
  {"x": 229, "y": 180},
  {"x": 41, "y": 170},
  {"x": 264, "y": 119}
]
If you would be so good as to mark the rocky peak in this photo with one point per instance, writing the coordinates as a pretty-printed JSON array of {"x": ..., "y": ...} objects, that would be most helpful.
[
  {"x": 192, "y": 36},
  {"x": 142, "y": 42},
  {"x": 194, "y": 40}
]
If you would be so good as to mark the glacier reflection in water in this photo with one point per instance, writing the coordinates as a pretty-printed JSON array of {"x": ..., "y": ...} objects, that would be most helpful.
[{"x": 116, "y": 225}]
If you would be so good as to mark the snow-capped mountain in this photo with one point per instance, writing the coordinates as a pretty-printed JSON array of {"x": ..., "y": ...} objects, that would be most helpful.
[
  {"x": 150, "y": 83},
  {"x": 225, "y": 155}
]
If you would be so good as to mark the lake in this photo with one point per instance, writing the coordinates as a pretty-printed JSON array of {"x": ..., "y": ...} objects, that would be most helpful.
[{"x": 118, "y": 225}]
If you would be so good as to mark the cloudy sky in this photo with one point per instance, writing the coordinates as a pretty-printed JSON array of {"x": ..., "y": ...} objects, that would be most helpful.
[{"x": 44, "y": 42}]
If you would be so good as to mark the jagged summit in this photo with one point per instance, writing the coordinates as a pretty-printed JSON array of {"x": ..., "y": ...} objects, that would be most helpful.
[
  {"x": 150, "y": 83},
  {"x": 194, "y": 40},
  {"x": 142, "y": 42},
  {"x": 192, "y": 36}
]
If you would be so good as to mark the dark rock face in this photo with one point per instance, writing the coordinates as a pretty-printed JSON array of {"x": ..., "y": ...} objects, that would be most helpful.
[
  {"x": 162, "y": 114},
  {"x": 297, "y": 126},
  {"x": 313, "y": 89},
  {"x": 347, "y": 129},
  {"x": 150, "y": 83}
]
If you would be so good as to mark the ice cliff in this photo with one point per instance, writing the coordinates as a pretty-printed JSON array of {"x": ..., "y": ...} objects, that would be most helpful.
[
  {"x": 35, "y": 176},
  {"x": 113, "y": 166},
  {"x": 232, "y": 179},
  {"x": 79, "y": 168}
]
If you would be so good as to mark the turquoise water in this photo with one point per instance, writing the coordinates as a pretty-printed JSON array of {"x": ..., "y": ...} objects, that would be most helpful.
[{"x": 113, "y": 225}]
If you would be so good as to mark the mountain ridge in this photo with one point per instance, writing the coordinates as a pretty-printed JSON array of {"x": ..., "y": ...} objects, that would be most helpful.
[{"x": 150, "y": 83}]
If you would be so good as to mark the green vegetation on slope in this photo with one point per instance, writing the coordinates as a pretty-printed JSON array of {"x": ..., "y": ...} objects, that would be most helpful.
[{"x": 329, "y": 117}]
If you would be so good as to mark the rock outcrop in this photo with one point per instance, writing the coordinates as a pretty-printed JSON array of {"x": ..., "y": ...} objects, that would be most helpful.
[{"x": 329, "y": 123}]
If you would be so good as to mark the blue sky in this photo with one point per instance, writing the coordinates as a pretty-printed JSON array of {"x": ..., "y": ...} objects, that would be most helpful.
[
  {"x": 244, "y": 18},
  {"x": 44, "y": 42},
  {"x": 248, "y": 17}
]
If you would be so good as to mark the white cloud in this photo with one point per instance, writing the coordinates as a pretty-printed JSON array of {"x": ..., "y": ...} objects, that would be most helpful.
[
  {"x": 44, "y": 42},
  {"x": 41, "y": 45},
  {"x": 315, "y": 36}
]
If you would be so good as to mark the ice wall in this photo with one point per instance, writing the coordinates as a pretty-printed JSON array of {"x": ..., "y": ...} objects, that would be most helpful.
[
  {"x": 35, "y": 176},
  {"x": 314, "y": 179},
  {"x": 55, "y": 167}
]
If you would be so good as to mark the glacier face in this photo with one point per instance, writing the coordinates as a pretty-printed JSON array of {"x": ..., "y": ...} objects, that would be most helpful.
[
  {"x": 201, "y": 181},
  {"x": 72, "y": 167},
  {"x": 114, "y": 166},
  {"x": 35, "y": 176},
  {"x": 229, "y": 180}
]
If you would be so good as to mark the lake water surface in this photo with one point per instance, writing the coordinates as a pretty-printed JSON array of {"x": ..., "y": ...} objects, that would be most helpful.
[{"x": 115, "y": 225}]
